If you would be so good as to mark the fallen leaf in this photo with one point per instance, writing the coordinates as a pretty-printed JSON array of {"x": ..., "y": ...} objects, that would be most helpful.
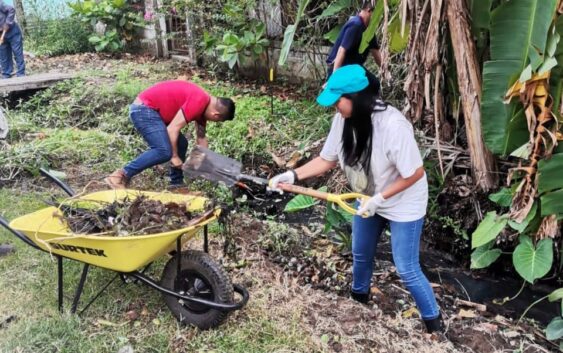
[
  {"x": 250, "y": 133},
  {"x": 266, "y": 169},
  {"x": 486, "y": 327},
  {"x": 280, "y": 162},
  {"x": 375, "y": 291},
  {"x": 294, "y": 159},
  {"x": 511, "y": 334},
  {"x": 407, "y": 314},
  {"x": 106, "y": 323},
  {"x": 132, "y": 315},
  {"x": 470, "y": 314}
]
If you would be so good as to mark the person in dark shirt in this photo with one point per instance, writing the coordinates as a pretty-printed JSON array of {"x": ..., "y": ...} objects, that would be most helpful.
[
  {"x": 346, "y": 49},
  {"x": 11, "y": 42}
]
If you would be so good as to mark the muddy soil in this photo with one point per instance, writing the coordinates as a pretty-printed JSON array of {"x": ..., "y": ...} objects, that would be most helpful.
[{"x": 391, "y": 323}]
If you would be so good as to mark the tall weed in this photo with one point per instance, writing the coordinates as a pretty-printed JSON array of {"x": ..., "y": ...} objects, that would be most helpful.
[{"x": 52, "y": 31}]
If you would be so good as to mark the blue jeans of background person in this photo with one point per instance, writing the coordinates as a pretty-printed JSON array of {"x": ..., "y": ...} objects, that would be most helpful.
[
  {"x": 149, "y": 124},
  {"x": 405, "y": 245},
  {"x": 12, "y": 49}
]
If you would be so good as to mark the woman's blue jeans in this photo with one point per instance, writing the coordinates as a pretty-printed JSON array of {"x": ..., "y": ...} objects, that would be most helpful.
[
  {"x": 149, "y": 124},
  {"x": 12, "y": 49},
  {"x": 405, "y": 245}
]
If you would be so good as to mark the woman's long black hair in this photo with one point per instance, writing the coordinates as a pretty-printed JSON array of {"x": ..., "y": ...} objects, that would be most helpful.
[{"x": 358, "y": 128}]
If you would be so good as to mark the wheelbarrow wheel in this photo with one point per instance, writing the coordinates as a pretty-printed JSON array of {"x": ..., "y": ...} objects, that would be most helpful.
[{"x": 202, "y": 277}]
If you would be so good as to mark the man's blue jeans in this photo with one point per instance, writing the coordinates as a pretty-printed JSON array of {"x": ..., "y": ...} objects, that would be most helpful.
[
  {"x": 149, "y": 124},
  {"x": 12, "y": 49},
  {"x": 405, "y": 245}
]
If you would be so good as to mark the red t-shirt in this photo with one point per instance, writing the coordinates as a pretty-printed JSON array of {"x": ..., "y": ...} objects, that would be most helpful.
[{"x": 168, "y": 97}]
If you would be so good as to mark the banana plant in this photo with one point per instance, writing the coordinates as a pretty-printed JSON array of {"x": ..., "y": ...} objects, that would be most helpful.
[{"x": 521, "y": 118}]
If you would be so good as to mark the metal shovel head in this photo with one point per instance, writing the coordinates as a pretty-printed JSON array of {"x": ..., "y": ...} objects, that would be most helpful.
[{"x": 207, "y": 164}]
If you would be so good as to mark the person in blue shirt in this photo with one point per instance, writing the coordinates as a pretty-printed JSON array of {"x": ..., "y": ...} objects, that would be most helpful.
[
  {"x": 11, "y": 47},
  {"x": 346, "y": 49}
]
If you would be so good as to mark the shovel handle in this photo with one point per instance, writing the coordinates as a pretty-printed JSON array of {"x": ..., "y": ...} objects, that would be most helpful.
[
  {"x": 340, "y": 200},
  {"x": 2, "y": 37}
]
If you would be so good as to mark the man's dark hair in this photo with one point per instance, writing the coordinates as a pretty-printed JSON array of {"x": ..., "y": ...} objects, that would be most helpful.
[
  {"x": 367, "y": 5},
  {"x": 226, "y": 108}
]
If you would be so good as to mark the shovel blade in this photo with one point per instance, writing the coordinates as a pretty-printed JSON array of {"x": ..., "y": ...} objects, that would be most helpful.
[{"x": 212, "y": 166}]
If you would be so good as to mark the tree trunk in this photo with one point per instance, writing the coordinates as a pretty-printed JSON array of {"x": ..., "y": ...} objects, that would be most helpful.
[
  {"x": 20, "y": 15},
  {"x": 469, "y": 82}
]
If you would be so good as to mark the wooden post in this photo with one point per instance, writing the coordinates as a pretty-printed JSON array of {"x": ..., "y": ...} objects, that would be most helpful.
[
  {"x": 469, "y": 82},
  {"x": 20, "y": 15}
]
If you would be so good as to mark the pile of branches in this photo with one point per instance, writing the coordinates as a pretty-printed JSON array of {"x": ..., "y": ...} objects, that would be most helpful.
[{"x": 127, "y": 217}]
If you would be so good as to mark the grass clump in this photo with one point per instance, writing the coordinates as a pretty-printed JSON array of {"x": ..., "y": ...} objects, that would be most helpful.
[{"x": 55, "y": 148}]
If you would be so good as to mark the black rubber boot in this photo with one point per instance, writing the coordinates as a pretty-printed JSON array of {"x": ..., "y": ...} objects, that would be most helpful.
[
  {"x": 434, "y": 325},
  {"x": 360, "y": 297},
  {"x": 5, "y": 249}
]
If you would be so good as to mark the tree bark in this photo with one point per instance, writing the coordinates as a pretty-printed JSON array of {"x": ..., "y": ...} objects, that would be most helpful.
[
  {"x": 469, "y": 82},
  {"x": 20, "y": 15}
]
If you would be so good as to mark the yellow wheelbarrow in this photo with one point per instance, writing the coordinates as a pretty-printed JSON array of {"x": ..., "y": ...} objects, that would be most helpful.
[{"x": 195, "y": 288}]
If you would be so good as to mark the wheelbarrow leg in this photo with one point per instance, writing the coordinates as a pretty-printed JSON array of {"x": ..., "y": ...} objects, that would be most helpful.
[
  {"x": 79, "y": 289},
  {"x": 60, "y": 280},
  {"x": 205, "y": 239}
]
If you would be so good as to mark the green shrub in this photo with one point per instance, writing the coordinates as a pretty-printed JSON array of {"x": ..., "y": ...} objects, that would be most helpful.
[
  {"x": 52, "y": 37},
  {"x": 120, "y": 18}
]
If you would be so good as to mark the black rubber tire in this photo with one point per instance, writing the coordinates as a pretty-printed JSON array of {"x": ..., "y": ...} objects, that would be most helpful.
[{"x": 201, "y": 271}]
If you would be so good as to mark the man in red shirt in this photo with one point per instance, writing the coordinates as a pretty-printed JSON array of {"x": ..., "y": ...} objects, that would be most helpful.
[{"x": 159, "y": 113}]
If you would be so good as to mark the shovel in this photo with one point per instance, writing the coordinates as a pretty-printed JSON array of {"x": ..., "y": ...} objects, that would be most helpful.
[{"x": 207, "y": 164}]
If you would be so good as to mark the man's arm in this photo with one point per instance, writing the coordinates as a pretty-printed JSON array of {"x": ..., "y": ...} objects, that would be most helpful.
[
  {"x": 376, "y": 53},
  {"x": 200, "y": 135},
  {"x": 340, "y": 55},
  {"x": 173, "y": 130}
]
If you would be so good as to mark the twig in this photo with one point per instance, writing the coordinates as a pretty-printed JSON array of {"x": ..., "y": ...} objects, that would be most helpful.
[
  {"x": 462, "y": 287},
  {"x": 478, "y": 306},
  {"x": 401, "y": 289}
]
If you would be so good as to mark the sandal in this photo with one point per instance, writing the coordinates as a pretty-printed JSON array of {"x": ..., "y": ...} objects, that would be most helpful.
[{"x": 117, "y": 179}]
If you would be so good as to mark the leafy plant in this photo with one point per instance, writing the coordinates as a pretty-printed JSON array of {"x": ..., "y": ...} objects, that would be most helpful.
[
  {"x": 300, "y": 202},
  {"x": 119, "y": 18},
  {"x": 251, "y": 44},
  {"x": 51, "y": 37},
  {"x": 290, "y": 33}
]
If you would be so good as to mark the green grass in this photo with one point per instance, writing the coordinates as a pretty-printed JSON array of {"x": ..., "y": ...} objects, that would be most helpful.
[
  {"x": 28, "y": 282},
  {"x": 84, "y": 123}
]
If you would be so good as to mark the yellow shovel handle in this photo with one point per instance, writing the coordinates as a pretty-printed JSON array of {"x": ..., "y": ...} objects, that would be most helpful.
[{"x": 340, "y": 200}]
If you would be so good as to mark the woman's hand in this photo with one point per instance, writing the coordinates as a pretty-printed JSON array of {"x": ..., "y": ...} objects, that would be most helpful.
[
  {"x": 176, "y": 162},
  {"x": 286, "y": 178},
  {"x": 369, "y": 207}
]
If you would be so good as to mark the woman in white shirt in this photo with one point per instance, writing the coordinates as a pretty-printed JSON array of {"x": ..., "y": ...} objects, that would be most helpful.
[{"x": 374, "y": 144}]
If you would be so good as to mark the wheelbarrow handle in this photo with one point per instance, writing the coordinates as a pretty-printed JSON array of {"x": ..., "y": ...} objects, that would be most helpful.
[
  {"x": 18, "y": 234},
  {"x": 57, "y": 181}
]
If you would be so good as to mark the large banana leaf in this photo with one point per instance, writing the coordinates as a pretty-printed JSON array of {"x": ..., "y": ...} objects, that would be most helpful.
[
  {"x": 334, "y": 8},
  {"x": 551, "y": 173},
  {"x": 480, "y": 15},
  {"x": 290, "y": 33},
  {"x": 398, "y": 43},
  {"x": 376, "y": 17},
  {"x": 556, "y": 79},
  {"x": 551, "y": 185},
  {"x": 518, "y": 34}
]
